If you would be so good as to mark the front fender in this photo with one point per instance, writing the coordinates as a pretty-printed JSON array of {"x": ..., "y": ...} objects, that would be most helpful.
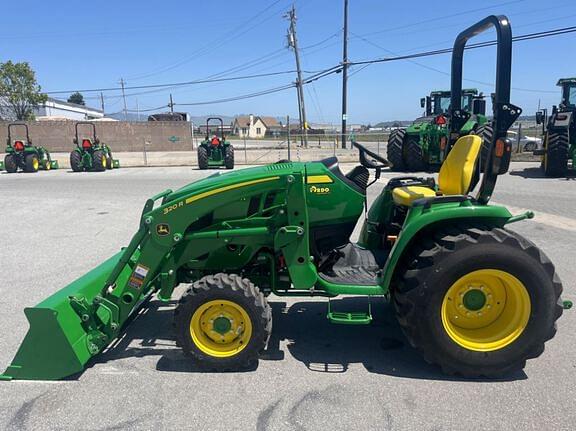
[{"x": 421, "y": 219}]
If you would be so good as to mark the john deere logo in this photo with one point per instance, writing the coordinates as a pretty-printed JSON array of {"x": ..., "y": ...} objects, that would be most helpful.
[
  {"x": 318, "y": 190},
  {"x": 163, "y": 229},
  {"x": 173, "y": 139}
]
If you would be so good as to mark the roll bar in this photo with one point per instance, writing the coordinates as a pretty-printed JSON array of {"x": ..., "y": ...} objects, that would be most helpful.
[
  {"x": 11, "y": 125},
  {"x": 504, "y": 112},
  {"x": 79, "y": 123},
  {"x": 221, "y": 126}
]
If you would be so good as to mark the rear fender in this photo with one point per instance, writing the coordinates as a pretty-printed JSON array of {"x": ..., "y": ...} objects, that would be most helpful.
[{"x": 422, "y": 221}]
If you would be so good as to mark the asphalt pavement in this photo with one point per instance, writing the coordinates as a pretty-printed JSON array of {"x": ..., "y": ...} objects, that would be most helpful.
[{"x": 55, "y": 226}]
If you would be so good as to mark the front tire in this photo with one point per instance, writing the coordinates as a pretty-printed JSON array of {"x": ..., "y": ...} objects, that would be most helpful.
[
  {"x": 414, "y": 155},
  {"x": 10, "y": 163},
  {"x": 223, "y": 322},
  {"x": 202, "y": 158},
  {"x": 555, "y": 162},
  {"x": 478, "y": 301},
  {"x": 395, "y": 150},
  {"x": 109, "y": 159},
  {"x": 229, "y": 157}
]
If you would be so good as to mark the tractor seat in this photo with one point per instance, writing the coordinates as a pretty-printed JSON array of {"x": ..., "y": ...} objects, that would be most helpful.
[{"x": 456, "y": 174}]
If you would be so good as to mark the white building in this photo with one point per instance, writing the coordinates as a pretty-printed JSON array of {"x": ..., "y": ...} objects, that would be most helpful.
[{"x": 59, "y": 110}]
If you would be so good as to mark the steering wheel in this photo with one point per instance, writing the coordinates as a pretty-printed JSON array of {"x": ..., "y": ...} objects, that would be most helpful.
[{"x": 370, "y": 159}]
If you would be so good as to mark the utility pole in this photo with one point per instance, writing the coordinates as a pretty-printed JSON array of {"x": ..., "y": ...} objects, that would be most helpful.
[
  {"x": 344, "y": 74},
  {"x": 293, "y": 43},
  {"x": 124, "y": 97},
  {"x": 137, "y": 110},
  {"x": 171, "y": 104},
  {"x": 102, "y": 101}
]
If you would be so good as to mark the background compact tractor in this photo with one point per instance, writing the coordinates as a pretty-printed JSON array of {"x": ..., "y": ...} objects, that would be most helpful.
[
  {"x": 215, "y": 151},
  {"x": 21, "y": 154},
  {"x": 90, "y": 154},
  {"x": 425, "y": 144},
  {"x": 560, "y": 133},
  {"x": 470, "y": 295}
]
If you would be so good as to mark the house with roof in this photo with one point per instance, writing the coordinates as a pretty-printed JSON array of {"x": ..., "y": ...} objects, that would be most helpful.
[
  {"x": 253, "y": 126},
  {"x": 54, "y": 109}
]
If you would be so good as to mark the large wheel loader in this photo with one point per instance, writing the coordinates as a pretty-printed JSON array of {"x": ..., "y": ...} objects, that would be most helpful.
[{"x": 471, "y": 295}]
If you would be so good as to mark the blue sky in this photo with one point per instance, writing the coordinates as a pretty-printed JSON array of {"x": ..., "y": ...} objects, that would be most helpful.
[{"x": 79, "y": 45}]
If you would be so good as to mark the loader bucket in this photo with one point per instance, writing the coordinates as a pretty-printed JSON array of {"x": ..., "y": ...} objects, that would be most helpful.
[
  {"x": 57, "y": 344},
  {"x": 54, "y": 164},
  {"x": 115, "y": 163}
]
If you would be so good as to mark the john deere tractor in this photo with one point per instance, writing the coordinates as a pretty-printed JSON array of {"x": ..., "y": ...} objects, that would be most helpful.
[
  {"x": 425, "y": 144},
  {"x": 90, "y": 154},
  {"x": 21, "y": 154},
  {"x": 559, "y": 152},
  {"x": 214, "y": 152},
  {"x": 471, "y": 295}
]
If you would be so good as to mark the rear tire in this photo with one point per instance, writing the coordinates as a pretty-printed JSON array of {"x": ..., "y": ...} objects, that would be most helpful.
[
  {"x": 10, "y": 163},
  {"x": 229, "y": 157},
  {"x": 395, "y": 150},
  {"x": 556, "y": 159},
  {"x": 231, "y": 299},
  {"x": 202, "y": 158},
  {"x": 31, "y": 163},
  {"x": 496, "y": 336},
  {"x": 486, "y": 132},
  {"x": 98, "y": 161},
  {"x": 414, "y": 155},
  {"x": 76, "y": 161}
]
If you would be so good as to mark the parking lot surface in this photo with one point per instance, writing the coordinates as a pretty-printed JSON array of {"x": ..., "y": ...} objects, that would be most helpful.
[{"x": 55, "y": 226}]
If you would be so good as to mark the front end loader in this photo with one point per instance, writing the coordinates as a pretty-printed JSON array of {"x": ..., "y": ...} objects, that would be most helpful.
[
  {"x": 215, "y": 152},
  {"x": 559, "y": 152},
  {"x": 90, "y": 154},
  {"x": 472, "y": 296},
  {"x": 22, "y": 154}
]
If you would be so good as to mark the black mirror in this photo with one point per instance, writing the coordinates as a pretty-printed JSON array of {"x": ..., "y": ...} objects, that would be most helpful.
[{"x": 539, "y": 117}]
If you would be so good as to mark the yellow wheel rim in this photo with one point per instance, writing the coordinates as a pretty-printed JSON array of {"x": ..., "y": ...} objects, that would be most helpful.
[
  {"x": 103, "y": 162},
  {"x": 220, "y": 328},
  {"x": 486, "y": 310},
  {"x": 48, "y": 165},
  {"x": 35, "y": 164}
]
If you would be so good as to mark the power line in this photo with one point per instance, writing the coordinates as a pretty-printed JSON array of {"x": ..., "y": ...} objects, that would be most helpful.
[
  {"x": 240, "y": 97},
  {"x": 176, "y": 84}
]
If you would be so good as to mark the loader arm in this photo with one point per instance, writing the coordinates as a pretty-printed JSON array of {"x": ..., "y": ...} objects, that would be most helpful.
[{"x": 79, "y": 321}]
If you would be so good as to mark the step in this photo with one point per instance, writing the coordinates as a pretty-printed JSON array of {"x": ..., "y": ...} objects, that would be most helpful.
[{"x": 349, "y": 318}]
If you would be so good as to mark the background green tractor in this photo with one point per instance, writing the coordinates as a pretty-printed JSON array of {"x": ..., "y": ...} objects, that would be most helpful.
[
  {"x": 470, "y": 295},
  {"x": 425, "y": 144},
  {"x": 90, "y": 154},
  {"x": 21, "y": 154},
  {"x": 559, "y": 152},
  {"x": 215, "y": 151}
]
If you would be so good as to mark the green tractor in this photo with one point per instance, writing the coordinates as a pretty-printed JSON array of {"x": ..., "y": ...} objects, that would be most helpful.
[
  {"x": 425, "y": 144},
  {"x": 21, "y": 154},
  {"x": 471, "y": 295},
  {"x": 559, "y": 152},
  {"x": 90, "y": 154},
  {"x": 216, "y": 151}
]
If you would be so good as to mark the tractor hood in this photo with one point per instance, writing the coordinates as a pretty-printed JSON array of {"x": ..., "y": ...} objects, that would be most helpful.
[{"x": 235, "y": 179}]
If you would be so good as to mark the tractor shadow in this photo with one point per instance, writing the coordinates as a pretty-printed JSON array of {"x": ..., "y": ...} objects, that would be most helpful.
[
  {"x": 536, "y": 172},
  {"x": 301, "y": 331}
]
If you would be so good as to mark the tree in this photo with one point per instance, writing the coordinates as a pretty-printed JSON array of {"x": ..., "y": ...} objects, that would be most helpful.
[
  {"x": 76, "y": 98},
  {"x": 19, "y": 91}
]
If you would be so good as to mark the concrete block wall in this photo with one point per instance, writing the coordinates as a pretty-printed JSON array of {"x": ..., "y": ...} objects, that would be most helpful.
[{"x": 122, "y": 136}]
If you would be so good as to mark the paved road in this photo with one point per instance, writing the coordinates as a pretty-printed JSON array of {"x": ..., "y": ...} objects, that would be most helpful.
[{"x": 56, "y": 225}]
